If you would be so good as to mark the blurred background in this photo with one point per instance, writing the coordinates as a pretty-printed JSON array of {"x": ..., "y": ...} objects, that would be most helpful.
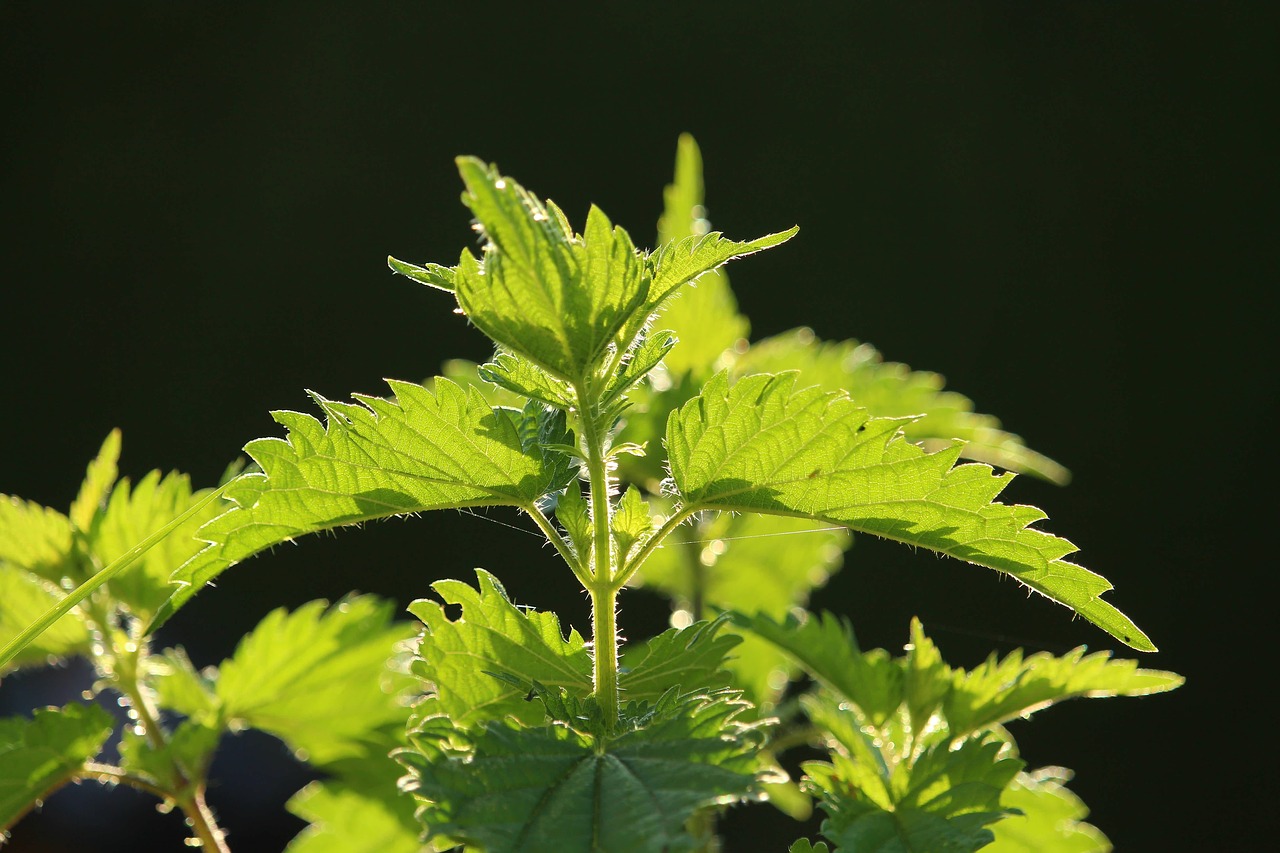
[{"x": 1067, "y": 209}]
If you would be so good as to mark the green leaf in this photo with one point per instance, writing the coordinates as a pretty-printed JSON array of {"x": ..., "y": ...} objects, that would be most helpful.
[
  {"x": 575, "y": 517},
  {"x": 632, "y": 522},
  {"x": 24, "y": 598},
  {"x": 464, "y": 658},
  {"x": 523, "y": 378},
  {"x": 753, "y": 564},
  {"x": 185, "y": 756},
  {"x": 41, "y": 754},
  {"x": 344, "y": 820},
  {"x": 649, "y": 351},
  {"x": 684, "y": 260},
  {"x": 824, "y": 645},
  {"x": 432, "y": 275},
  {"x": 804, "y": 845},
  {"x": 179, "y": 687},
  {"x": 552, "y": 789},
  {"x": 705, "y": 317},
  {"x": 99, "y": 478},
  {"x": 542, "y": 291},
  {"x": 889, "y": 389},
  {"x": 762, "y": 446},
  {"x": 940, "y": 804},
  {"x": 1052, "y": 819},
  {"x": 1001, "y": 690},
  {"x": 130, "y": 516},
  {"x": 374, "y": 459},
  {"x": 466, "y": 374},
  {"x": 692, "y": 658},
  {"x": 35, "y": 539},
  {"x": 317, "y": 678},
  {"x": 361, "y": 810}
]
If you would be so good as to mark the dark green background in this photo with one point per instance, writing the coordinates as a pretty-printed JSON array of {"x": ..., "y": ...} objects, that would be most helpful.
[{"x": 1067, "y": 208}]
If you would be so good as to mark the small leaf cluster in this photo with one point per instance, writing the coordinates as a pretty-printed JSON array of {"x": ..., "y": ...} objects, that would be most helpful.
[
  {"x": 317, "y": 678},
  {"x": 625, "y": 414}
]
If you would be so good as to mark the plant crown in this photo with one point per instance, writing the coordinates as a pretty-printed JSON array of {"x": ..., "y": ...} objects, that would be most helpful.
[{"x": 624, "y": 414}]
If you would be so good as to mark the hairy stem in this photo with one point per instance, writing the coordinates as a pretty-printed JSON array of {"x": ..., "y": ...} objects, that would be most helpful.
[
  {"x": 604, "y": 627},
  {"x": 122, "y": 654},
  {"x": 603, "y": 588},
  {"x": 554, "y": 537}
]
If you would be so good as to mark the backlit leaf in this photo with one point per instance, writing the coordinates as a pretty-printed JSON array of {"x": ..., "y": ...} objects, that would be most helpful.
[
  {"x": 317, "y": 678},
  {"x": 463, "y": 658},
  {"x": 439, "y": 449},
  {"x": 542, "y": 291},
  {"x": 24, "y": 598},
  {"x": 552, "y": 789},
  {"x": 941, "y": 804},
  {"x": 762, "y": 446},
  {"x": 889, "y": 389},
  {"x": 1052, "y": 819},
  {"x": 40, "y": 754}
]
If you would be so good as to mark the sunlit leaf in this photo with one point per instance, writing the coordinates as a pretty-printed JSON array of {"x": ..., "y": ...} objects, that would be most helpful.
[
  {"x": 24, "y": 598},
  {"x": 551, "y": 789},
  {"x": 40, "y": 754},
  {"x": 445, "y": 448},
  {"x": 1052, "y": 819},
  {"x": 317, "y": 677},
  {"x": 763, "y": 446},
  {"x": 461, "y": 658},
  {"x": 942, "y": 803}
]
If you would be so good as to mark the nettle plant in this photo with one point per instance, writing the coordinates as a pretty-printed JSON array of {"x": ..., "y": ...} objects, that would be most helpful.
[{"x": 625, "y": 415}]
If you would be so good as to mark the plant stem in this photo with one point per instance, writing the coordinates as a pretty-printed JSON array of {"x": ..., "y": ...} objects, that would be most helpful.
[
  {"x": 554, "y": 537},
  {"x": 126, "y": 651},
  {"x": 604, "y": 627},
  {"x": 679, "y": 517},
  {"x": 603, "y": 588}
]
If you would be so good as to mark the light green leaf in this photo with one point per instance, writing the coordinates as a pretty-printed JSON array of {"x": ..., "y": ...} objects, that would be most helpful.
[
  {"x": 683, "y": 261},
  {"x": 889, "y": 389},
  {"x": 432, "y": 275},
  {"x": 824, "y": 645},
  {"x": 542, "y": 291},
  {"x": 762, "y": 446},
  {"x": 130, "y": 516},
  {"x": 317, "y": 678},
  {"x": 753, "y": 564},
  {"x": 1052, "y": 819},
  {"x": 466, "y": 374},
  {"x": 185, "y": 756},
  {"x": 24, "y": 598},
  {"x": 705, "y": 317},
  {"x": 344, "y": 820},
  {"x": 941, "y": 804},
  {"x": 179, "y": 687},
  {"x": 35, "y": 539},
  {"x": 1001, "y": 690},
  {"x": 359, "y": 811},
  {"x": 523, "y": 378},
  {"x": 99, "y": 478},
  {"x": 552, "y": 789},
  {"x": 41, "y": 754},
  {"x": 374, "y": 459},
  {"x": 632, "y": 522},
  {"x": 575, "y": 517},
  {"x": 648, "y": 352},
  {"x": 691, "y": 658},
  {"x": 464, "y": 658}
]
